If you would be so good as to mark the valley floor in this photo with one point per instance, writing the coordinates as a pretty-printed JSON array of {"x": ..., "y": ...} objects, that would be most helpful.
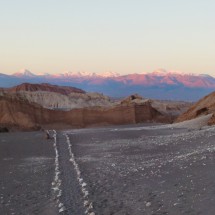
[
  {"x": 133, "y": 170},
  {"x": 26, "y": 174}
]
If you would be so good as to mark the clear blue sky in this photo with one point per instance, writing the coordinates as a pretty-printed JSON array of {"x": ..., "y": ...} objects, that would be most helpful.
[{"x": 125, "y": 36}]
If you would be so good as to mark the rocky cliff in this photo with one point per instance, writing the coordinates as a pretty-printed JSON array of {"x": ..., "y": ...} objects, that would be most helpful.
[
  {"x": 169, "y": 108},
  {"x": 21, "y": 114},
  {"x": 65, "y": 98},
  {"x": 53, "y": 100},
  {"x": 32, "y": 106}
]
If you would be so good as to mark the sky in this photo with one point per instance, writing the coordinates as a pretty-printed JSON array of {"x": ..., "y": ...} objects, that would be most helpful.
[{"x": 124, "y": 36}]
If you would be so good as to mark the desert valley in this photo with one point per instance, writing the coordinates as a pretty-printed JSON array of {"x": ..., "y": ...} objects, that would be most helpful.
[
  {"x": 29, "y": 106},
  {"x": 104, "y": 155},
  {"x": 107, "y": 107}
]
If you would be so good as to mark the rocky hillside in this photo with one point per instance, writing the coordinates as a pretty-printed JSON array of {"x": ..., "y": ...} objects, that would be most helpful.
[
  {"x": 64, "y": 90},
  {"x": 204, "y": 106},
  {"x": 31, "y": 106},
  {"x": 52, "y": 100},
  {"x": 21, "y": 114},
  {"x": 172, "y": 108},
  {"x": 58, "y": 97},
  {"x": 169, "y": 108}
]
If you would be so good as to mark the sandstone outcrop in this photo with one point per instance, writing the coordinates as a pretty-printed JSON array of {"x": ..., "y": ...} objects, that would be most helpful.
[
  {"x": 21, "y": 114},
  {"x": 32, "y": 106},
  {"x": 204, "y": 106},
  {"x": 169, "y": 108},
  {"x": 53, "y": 100},
  {"x": 63, "y": 98},
  {"x": 58, "y": 97},
  {"x": 133, "y": 99}
]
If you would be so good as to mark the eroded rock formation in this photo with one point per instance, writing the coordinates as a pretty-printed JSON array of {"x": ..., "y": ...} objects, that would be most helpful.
[
  {"x": 57, "y": 97},
  {"x": 204, "y": 106},
  {"x": 21, "y": 114},
  {"x": 32, "y": 106}
]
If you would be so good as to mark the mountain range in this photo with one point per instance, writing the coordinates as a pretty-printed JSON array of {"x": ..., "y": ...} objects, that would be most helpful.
[{"x": 160, "y": 84}]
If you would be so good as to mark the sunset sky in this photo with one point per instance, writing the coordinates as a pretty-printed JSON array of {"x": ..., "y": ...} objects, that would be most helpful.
[{"x": 124, "y": 36}]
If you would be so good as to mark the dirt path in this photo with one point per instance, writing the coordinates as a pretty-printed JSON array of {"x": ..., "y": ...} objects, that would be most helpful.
[
  {"x": 71, "y": 195},
  {"x": 119, "y": 170}
]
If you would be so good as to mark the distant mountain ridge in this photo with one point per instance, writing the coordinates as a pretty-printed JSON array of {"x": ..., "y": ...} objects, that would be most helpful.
[
  {"x": 160, "y": 84},
  {"x": 27, "y": 73},
  {"x": 64, "y": 90}
]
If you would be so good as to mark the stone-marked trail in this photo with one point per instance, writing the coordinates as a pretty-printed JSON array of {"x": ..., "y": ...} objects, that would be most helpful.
[
  {"x": 69, "y": 189},
  {"x": 120, "y": 170}
]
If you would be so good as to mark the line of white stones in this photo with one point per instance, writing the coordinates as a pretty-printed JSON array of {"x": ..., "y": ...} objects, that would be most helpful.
[
  {"x": 87, "y": 203},
  {"x": 56, "y": 184}
]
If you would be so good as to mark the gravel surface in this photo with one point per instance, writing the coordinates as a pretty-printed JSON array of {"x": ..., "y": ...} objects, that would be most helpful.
[
  {"x": 26, "y": 173},
  {"x": 118, "y": 170},
  {"x": 153, "y": 170}
]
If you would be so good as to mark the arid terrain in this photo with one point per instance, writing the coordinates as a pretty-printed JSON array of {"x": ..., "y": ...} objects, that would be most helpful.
[
  {"x": 205, "y": 106},
  {"x": 97, "y": 156},
  {"x": 132, "y": 169},
  {"x": 27, "y": 171},
  {"x": 107, "y": 107},
  {"x": 35, "y": 106}
]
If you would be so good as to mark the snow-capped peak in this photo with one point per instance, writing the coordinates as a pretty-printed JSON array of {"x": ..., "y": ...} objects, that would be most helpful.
[
  {"x": 87, "y": 74},
  {"x": 206, "y": 75},
  {"x": 24, "y": 72},
  {"x": 77, "y": 74},
  {"x": 160, "y": 72},
  {"x": 109, "y": 74},
  {"x": 163, "y": 72}
]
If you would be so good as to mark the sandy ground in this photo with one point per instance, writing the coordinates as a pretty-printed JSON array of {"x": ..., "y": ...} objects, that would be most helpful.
[
  {"x": 26, "y": 174},
  {"x": 118, "y": 170},
  {"x": 154, "y": 170}
]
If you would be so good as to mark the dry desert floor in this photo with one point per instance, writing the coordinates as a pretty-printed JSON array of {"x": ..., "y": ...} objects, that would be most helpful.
[{"x": 140, "y": 169}]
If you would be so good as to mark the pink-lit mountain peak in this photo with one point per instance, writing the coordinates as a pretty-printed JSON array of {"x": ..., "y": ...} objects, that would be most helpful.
[
  {"x": 161, "y": 83},
  {"x": 90, "y": 74},
  {"x": 24, "y": 72},
  {"x": 81, "y": 75},
  {"x": 110, "y": 74},
  {"x": 160, "y": 72},
  {"x": 163, "y": 72},
  {"x": 158, "y": 77}
]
